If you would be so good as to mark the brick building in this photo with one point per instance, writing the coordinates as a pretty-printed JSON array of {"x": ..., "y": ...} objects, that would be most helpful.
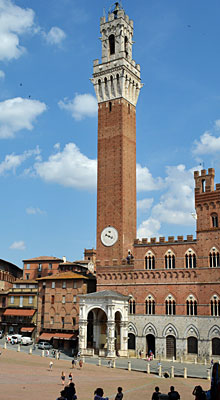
[
  {"x": 161, "y": 295},
  {"x": 40, "y": 266}
]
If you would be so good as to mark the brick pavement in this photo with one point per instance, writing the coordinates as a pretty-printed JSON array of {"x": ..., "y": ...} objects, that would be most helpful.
[{"x": 24, "y": 376}]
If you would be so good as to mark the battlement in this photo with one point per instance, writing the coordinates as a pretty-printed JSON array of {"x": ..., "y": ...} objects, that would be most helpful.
[
  {"x": 204, "y": 182},
  {"x": 162, "y": 240}
]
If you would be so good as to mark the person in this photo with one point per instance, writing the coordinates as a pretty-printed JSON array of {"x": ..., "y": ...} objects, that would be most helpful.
[
  {"x": 51, "y": 365},
  {"x": 63, "y": 377},
  {"x": 173, "y": 395},
  {"x": 99, "y": 394},
  {"x": 62, "y": 395},
  {"x": 155, "y": 395},
  {"x": 119, "y": 395},
  {"x": 80, "y": 364},
  {"x": 70, "y": 392},
  {"x": 70, "y": 377},
  {"x": 58, "y": 355},
  {"x": 215, "y": 382},
  {"x": 73, "y": 363},
  {"x": 199, "y": 393}
]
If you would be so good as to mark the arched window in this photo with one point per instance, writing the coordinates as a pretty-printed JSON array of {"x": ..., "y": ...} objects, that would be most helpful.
[
  {"x": 215, "y": 306},
  {"x": 192, "y": 345},
  {"x": 169, "y": 260},
  {"x": 150, "y": 305},
  {"x": 191, "y": 305},
  {"x": 126, "y": 46},
  {"x": 149, "y": 260},
  {"x": 214, "y": 221},
  {"x": 170, "y": 305},
  {"x": 132, "y": 306},
  {"x": 216, "y": 347},
  {"x": 111, "y": 40},
  {"x": 190, "y": 259},
  {"x": 214, "y": 260}
]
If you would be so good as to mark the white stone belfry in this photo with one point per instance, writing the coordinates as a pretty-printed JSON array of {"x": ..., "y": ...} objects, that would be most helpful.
[
  {"x": 118, "y": 75},
  {"x": 109, "y": 312}
]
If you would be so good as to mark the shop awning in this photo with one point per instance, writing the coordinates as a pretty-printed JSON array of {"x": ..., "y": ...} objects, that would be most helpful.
[
  {"x": 27, "y": 329},
  {"x": 19, "y": 313},
  {"x": 64, "y": 336},
  {"x": 46, "y": 336}
]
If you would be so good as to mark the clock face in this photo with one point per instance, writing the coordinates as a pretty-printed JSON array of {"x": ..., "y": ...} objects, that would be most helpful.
[{"x": 109, "y": 236}]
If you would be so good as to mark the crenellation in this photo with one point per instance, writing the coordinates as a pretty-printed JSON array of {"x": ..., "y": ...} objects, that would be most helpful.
[{"x": 162, "y": 240}]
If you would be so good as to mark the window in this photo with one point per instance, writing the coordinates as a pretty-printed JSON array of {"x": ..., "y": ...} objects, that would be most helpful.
[
  {"x": 169, "y": 260},
  {"x": 50, "y": 265},
  {"x": 64, "y": 285},
  {"x": 215, "y": 306},
  {"x": 63, "y": 299},
  {"x": 190, "y": 259},
  {"x": 150, "y": 261},
  {"x": 51, "y": 320},
  {"x": 126, "y": 46},
  {"x": 214, "y": 260},
  {"x": 150, "y": 305},
  {"x": 111, "y": 44},
  {"x": 74, "y": 299},
  {"x": 110, "y": 106},
  {"x": 52, "y": 299},
  {"x": 131, "y": 306},
  {"x": 28, "y": 266},
  {"x": 21, "y": 301},
  {"x": 192, "y": 345},
  {"x": 42, "y": 320},
  {"x": 27, "y": 277},
  {"x": 214, "y": 220},
  {"x": 39, "y": 267},
  {"x": 191, "y": 305},
  {"x": 216, "y": 347},
  {"x": 30, "y": 300},
  {"x": 62, "y": 322},
  {"x": 170, "y": 306},
  {"x": 74, "y": 285},
  {"x": 203, "y": 185},
  {"x": 43, "y": 299},
  {"x": 74, "y": 321},
  {"x": 3, "y": 301},
  {"x": 53, "y": 285}
]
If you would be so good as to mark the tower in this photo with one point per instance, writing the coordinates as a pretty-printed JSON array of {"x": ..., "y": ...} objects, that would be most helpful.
[{"x": 117, "y": 85}]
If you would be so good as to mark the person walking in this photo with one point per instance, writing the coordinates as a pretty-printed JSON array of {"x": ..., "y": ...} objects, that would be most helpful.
[
  {"x": 70, "y": 377},
  {"x": 199, "y": 393},
  {"x": 155, "y": 395},
  {"x": 119, "y": 395},
  {"x": 99, "y": 394},
  {"x": 51, "y": 365},
  {"x": 173, "y": 394},
  {"x": 63, "y": 377},
  {"x": 80, "y": 364}
]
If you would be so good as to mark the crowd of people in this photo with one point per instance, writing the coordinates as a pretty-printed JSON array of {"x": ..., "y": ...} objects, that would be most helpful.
[{"x": 69, "y": 393}]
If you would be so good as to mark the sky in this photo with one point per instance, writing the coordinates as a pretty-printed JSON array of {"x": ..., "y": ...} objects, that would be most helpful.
[{"x": 48, "y": 119}]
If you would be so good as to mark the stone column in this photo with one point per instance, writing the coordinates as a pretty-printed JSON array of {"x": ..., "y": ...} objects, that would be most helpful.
[
  {"x": 82, "y": 329},
  {"x": 110, "y": 339},
  {"x": 123, "y": 339}
]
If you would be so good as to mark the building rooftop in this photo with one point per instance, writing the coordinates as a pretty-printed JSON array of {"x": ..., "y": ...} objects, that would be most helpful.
[
  {"x": 63, "y": 275},
  {"x": 106, "y": 294},
  {"x": 44, "y": 258}
]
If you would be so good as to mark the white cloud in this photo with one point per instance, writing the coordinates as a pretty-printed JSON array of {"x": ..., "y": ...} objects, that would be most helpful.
[
  {"x": 55, "y": 35},
  {"x": 2, "y": 74},
  {"x": 149, "y": 228},
  {"x": 14, "y": 21},
  {"x": 81, "y": 106},
  {"x": 208, "y": 144},
  {"x": 69, "y": 168},
  {"x": 145, "y": 181},
  {"x": 217, "y": 124},
  {"x": 144, "y": 204},
  {"x": 35, "y": 211},
  {"x": 13, "y": 161},
  {"x": 20, "y": 245},
  {"x": 17, "y": 114}
]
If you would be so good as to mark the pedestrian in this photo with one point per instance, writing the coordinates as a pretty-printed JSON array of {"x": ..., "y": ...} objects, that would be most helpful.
[
  {"x": 155, "y": 395},
  {"x": 70, "y": 377},
  {"x": 173, "y": 394},
  {"x": 73, "y": 363},
  {"x": 70, "y": 392},
  {"x": 78, "y": 354},
  {"x": 63, "y": 377},
  {"x": 58, "y": 355},
  {"x": 80, "y": 364},
  {"x": 99, "y": 394},
  {"x": 199, "y": 393},
  {"x": 215, "y": 382},
  {"x": 47, "y": 353},
  {"x": 119, "y": 395},
  {"x": 51, "y": 365},
  {"x": 62, "y": 395}
]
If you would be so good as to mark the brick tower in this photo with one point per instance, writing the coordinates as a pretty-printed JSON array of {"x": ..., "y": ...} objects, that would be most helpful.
[{"x": 117, "y": 85}]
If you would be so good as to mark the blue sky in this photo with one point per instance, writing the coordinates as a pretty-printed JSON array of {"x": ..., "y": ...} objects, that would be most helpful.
[{"x": 48, "y": 119}]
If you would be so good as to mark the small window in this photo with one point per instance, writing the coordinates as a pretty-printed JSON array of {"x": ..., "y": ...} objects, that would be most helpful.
[
  {"x": 74, "y": 299},
  {"x": 50, "y": 265},
  {"x": 203, "y": 185},
  {"x": 3, "y": 302},
  {"x": 214, "y": 220},
  {"x": 63, "y": 299},
  {"x": 30, "y": 300},
  {"x": 53, "y": 285},
  {"x": 27, "y": 276},
  {"x": 39, "y": 267},
  {"x": 64, "y": 285},
  {"x": 28, "y": 266},
  {"x": 129, "y": 108},
  {"x": 43, "y": 299},
  {"x": 21, "y": 301},
  {"x": 126, "y": 46},
  {"x": 132, "y": 306},
  {"x": 62, "y": 322},
  {"x": 74, "y": 285},
  {"x": 74, "y": 321},
  {"x": 12, "y": 300},
  {"x": 110, "y": 106},
  {"x": 52, "y": 299},
  {"x": 111, "y": 44},
  {"x": 51, "y": 320}
]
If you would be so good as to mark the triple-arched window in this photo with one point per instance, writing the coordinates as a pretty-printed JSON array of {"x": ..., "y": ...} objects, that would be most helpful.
[
  {"x": 214, "y": 260},
  {"x": 150, "y": 260},
  {"x": 150, "y": 305},
  {"x": 190, "y": 259},
  {"x": 191, "y": 305},
  {"x": 215, "y": 306},
  {"x": 170, "y": 305},
  {"x": 169, "y": 260}
]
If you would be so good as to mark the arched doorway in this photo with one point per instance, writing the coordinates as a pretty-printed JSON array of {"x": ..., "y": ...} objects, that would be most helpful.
[
  {"x": 97, "y": 329},
  {"x": 192, "y": 345},
  {"x": 170, "y": 346},
  {"x": 131, "y": 341},
  {"x": 90, "y": 330},
  {"x": 216, "y": 347},
  {"x": 150, "y": 344}
]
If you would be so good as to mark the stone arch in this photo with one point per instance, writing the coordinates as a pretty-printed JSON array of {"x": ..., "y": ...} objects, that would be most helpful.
[
  {"x": 191, "y": 330},
  {"x": 119, "y": 276},
  {"x": 170, "y": 329},
  {"x": 141, "y": 275},
  {"x": 93, "y": 307},
  {"x": 132, "y": 329},
  {"x": 149, "y": 329},
  {"x": 214, "y": 332}
]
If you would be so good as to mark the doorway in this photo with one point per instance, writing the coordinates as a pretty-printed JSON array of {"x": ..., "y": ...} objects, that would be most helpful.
[
  {"x": 170, "y": 347},
  {"x": 150, "y": 344}
]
